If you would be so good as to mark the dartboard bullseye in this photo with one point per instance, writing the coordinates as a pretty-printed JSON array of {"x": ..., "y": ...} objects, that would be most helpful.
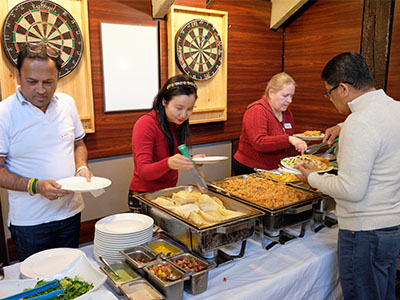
[
  {"x": 47, "y": 22},
  {"x": 199, "y": 49}
]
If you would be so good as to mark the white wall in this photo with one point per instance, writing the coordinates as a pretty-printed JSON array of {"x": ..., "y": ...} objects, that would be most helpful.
[{"x": 119, "y": 170}]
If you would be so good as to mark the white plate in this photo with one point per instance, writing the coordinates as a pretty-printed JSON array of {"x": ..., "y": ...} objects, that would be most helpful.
[
  {"x": 209, "y": 159},
  {"x": 295, "y": 171},
  {"x": 124, "y": 223},
  {"x": 48, "y": 262},
  {"x": 309, "y": 138},
  {"x": 79, "y": 183}
]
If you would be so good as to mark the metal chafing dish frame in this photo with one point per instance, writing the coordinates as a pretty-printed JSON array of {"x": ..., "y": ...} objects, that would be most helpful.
[
  {"x": 203, "y": 240},
  {"x": 273, "y": 221},
  {"x": 325, "y": 204}
]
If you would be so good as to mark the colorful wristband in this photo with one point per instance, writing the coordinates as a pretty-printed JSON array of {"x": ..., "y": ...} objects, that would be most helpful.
[{"x": 32, "y": 186}]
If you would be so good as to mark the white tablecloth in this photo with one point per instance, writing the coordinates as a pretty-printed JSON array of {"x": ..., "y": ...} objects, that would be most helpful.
[{"x": 305, "y": 268}]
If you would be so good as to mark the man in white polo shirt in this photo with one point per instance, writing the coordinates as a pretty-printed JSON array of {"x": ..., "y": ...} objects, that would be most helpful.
[{"x": 41, "y": 141}]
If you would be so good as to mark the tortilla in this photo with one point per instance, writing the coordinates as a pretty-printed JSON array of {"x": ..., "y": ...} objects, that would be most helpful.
[
  {"x": 163, "y": 201},
  {"x": 185, "y": 210}
]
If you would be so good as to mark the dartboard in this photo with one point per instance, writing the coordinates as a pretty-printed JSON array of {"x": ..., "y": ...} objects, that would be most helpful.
[
  {"x": 47, "y": 22},
  {"x": 199, "y": 49}
]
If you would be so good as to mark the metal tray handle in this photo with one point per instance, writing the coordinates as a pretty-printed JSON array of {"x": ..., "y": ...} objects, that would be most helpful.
[
  {"x": 297, "y": 210},
  {"x": 232, "y": 228}
]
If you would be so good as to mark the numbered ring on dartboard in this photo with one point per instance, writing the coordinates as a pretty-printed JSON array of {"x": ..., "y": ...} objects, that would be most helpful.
[
  {"x": 199, "y": 49},
  {"x": 47, "y": 22}
]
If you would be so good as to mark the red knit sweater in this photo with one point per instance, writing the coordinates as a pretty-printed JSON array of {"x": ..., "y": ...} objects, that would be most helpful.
[
  {"x": 150, "y": 156},
  {"x": 263, "y": 141}
]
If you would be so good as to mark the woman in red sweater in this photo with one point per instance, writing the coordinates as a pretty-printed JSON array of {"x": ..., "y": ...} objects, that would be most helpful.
[
  {"x": 156, "y": 136},
  {"x": 267, "y": 128}
]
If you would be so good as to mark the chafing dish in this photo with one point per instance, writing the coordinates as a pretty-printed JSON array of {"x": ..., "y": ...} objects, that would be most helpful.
[
  {"x": 276, "y": 219},
  {"x": 321, "y": 207},
  {"x": 204, "y": 240}
]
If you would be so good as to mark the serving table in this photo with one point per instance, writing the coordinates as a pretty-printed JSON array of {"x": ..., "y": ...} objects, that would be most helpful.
[{"x": 305, "y": 268}]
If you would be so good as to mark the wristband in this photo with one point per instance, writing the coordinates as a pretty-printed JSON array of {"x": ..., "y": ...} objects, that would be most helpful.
[
  {"x": 34, "y": 181},
  {"x": 80, "y": 168},
  {"x": 32, "y": 186}
]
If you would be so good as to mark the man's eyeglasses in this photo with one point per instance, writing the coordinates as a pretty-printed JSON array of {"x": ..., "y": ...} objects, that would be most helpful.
[
  {"x": 327, "y": 94},
  {"x": 36, "y": 48}
]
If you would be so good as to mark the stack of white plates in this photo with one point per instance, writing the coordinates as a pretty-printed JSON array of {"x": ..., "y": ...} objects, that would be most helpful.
[{"x": 119, "y": 232}]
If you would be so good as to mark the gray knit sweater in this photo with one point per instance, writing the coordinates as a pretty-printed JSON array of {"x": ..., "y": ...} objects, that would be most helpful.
[{"x": 367, "y": 187}]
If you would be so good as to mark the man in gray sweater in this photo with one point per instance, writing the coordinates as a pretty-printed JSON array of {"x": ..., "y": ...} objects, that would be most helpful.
[{"x": 367, "y": 187}]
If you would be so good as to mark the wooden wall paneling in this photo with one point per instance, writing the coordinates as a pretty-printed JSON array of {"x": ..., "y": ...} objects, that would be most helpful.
[
  {"x": 393, "y": 78},
  {"x": 375, "y": 42},
  {"x": 324, "y": 30},
  {"x": 113, "y": 130},
  {"x": 254, "y": 55}
]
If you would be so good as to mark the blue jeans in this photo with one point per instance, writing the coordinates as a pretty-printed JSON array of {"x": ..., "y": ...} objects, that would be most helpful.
[
  {"x": 32, "y": 239},
  {"x": 367, "y": 263}
]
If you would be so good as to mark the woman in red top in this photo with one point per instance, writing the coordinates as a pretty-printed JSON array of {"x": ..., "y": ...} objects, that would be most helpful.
[
  {"x": 157, "y": 134},
  {"x": 267, "y": 128}
]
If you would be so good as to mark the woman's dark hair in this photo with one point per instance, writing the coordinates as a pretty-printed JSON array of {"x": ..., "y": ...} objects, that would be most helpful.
[
  {"x": 348, "y": 67},
  {"x": 174, "y": 86}
]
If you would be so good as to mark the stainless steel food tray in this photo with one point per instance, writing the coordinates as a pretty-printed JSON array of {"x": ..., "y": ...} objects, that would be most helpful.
[
  {"x": 276, "y": 219},
  {"x": 312, "y": 197},
  {"x": 204, "y": 240}
]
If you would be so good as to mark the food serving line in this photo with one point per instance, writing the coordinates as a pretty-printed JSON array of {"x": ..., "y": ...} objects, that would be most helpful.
[
  {"x": 240, "y": 219},
  {"x": 305, "y": 268}
]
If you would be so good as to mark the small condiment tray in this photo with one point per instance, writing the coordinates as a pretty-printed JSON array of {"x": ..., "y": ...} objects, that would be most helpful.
[{"x": 164, "y": 250}]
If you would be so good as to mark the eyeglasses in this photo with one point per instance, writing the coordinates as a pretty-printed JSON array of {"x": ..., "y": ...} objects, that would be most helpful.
[
  {"x": 327, "y": 94},
  {"x": 36, "y": 48}
]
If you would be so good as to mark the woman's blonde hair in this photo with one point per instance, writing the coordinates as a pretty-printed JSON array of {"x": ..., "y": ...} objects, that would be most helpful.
[{"x": 277, "y": 82}]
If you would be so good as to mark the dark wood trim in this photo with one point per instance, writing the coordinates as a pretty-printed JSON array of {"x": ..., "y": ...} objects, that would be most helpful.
[{"x": 376, "y": 36}]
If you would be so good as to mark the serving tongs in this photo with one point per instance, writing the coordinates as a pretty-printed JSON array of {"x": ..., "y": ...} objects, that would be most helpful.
[
  {"x": 316, "y": 147},
  {"x": 39, "y": 289},
  {"x": 201, "y": 180}
]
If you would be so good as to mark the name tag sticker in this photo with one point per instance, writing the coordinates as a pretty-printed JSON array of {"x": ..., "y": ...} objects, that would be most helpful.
[{"x": 287, "y": 125}]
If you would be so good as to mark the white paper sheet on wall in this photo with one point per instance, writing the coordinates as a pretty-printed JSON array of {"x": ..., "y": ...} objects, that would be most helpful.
[{"x": 130, "y": 66}]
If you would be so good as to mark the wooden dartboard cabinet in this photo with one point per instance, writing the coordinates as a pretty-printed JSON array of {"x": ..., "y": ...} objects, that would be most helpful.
[{"x": 211, "y": 105}]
